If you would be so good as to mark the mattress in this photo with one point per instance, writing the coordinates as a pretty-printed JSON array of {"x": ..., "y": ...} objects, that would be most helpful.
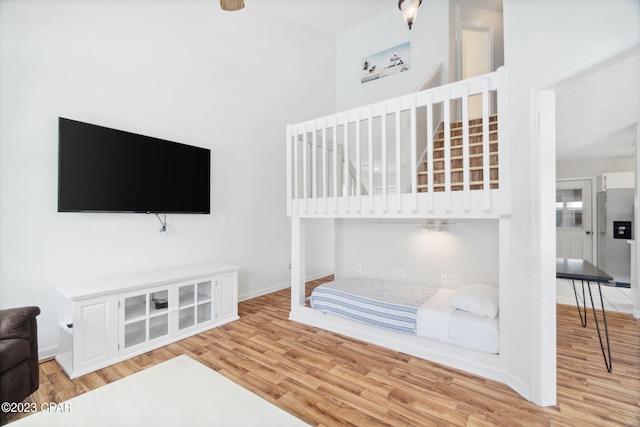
[
  {"x": 377, "y": 302},
  {"x": 407, "y": 308}
]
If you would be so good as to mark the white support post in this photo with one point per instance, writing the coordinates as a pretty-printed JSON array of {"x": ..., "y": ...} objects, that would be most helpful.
[
  {"x": 543, "y": 301},
  {"x": 504, "y": 147},
  {"x": 289, "y": 169},
  {"x": 298, "y": 262},
  {"x": 296, "y": 172}
]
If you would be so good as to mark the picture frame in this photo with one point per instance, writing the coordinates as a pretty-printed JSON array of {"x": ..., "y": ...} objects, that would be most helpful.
[{"x": 390, "y": 61}]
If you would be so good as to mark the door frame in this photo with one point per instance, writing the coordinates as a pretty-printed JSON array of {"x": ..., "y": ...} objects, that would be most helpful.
[{"x": 594, "y": 211}]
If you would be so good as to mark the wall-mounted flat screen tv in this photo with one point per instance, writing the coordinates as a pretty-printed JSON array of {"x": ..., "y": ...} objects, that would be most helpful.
[{"x": 108, "y": 170}]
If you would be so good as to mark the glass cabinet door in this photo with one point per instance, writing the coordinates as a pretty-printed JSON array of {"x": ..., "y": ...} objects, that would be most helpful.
[
  {"x": 204, "y": 301},
  {"x": 186, "y": 306},
  {"x": 195, "y": 304},
  {"x": 145, "y": 317}
]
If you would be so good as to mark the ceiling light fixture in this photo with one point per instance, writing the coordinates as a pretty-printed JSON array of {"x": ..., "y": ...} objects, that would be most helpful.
[
  {"x": 231, "y": 5},
  {"x": 409, "y": 10}
]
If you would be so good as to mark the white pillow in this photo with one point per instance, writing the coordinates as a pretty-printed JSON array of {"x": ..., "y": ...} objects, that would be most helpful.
[{"x": 476, "y": 298}]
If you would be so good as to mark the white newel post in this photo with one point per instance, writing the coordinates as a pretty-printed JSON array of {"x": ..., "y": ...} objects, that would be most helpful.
[{"x": 298, "y": 262}]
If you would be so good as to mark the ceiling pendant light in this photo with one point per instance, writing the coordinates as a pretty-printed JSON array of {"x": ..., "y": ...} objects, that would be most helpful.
[
  {"x": 231, "y": 5},
  {"x": 409, "y": 10}
]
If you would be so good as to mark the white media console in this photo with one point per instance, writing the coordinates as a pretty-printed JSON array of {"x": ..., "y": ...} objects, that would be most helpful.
[{"x": 106, "y": 321}]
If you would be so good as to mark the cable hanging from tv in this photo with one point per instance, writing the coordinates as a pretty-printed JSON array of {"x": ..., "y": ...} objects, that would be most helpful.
[{"x": 162, "y": 222}]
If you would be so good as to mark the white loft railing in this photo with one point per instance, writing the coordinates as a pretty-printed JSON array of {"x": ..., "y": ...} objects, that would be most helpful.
[{"x": 365, "y": 162}]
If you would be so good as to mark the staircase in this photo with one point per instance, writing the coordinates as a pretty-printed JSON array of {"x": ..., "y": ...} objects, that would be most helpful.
[{"x": 476, "y": 158}]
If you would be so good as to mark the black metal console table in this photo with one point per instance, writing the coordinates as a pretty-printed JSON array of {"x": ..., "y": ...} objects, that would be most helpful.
[{"x": 585, "y": 272}]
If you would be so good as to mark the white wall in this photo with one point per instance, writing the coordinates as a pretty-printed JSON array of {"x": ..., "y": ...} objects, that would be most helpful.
[
  {"x": 185, "y": 71},
  {"x": 543, "y": 43},
  {"x": 429, "y": 46},
  {"x": 468, "y": 251}
]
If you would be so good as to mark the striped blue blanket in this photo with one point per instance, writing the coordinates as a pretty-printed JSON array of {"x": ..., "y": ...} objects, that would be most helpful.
[{"x": 378, "y": 302}]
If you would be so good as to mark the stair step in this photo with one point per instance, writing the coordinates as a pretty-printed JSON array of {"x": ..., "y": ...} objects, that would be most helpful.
[
  {"x": 440, "y": 138},
  {"x": 441, "y": 185},
  {"x": 472, "y": 168},
  {"x": 471, "y": 156},
  {"x": 473, "y": 144},
  {"x": 493, "y": 118}
]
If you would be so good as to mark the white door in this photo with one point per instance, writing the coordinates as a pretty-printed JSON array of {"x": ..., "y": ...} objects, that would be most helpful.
[
  {"x": 574, "y": 230},
  {"x": 476, "y": 58}
]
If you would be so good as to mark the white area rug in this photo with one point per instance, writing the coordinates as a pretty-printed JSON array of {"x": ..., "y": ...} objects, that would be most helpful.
[{"x": 178, "y": 392}]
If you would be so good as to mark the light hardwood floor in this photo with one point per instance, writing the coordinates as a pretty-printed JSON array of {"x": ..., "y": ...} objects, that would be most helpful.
[{"x": 330, "y": 380}]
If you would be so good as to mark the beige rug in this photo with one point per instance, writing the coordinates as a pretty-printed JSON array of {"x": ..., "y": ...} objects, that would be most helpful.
[{"x": 178, "y": 392}]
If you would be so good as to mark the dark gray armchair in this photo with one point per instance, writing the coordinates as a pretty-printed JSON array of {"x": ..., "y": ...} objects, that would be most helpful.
[{"x": 19, "y": 371}]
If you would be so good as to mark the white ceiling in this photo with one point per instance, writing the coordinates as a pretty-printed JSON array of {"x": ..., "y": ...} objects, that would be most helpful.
[
  {"x": 596, "y": 110},
  {"x": 331, "y": 16}
]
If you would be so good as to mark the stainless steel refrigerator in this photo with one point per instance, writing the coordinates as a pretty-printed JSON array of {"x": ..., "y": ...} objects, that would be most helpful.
[{"x": 615, "y": 227}]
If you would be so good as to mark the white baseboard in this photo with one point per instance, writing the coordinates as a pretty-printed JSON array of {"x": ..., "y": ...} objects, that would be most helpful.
[
  {"x": 46, "y": 354},
  {"x": 280, "y": 287}
]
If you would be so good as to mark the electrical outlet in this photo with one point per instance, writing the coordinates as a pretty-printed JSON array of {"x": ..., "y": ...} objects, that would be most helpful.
[
  {"x": 394, "y": 272},
  {"x": 444, "y": 279},
  {"x": 401, "y": 273},
  {"x": 358, "y": 268},
  {"x": 453, "y": 279}
]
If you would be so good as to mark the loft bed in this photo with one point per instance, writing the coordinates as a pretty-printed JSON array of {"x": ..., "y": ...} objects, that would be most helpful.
[{"x": 433, "y": 155}]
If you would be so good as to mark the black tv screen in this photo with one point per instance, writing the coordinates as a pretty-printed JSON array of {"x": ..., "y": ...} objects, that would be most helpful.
[{"x": 108, "y": 170}]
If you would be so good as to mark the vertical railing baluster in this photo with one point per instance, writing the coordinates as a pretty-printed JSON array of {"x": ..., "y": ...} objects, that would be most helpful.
[
  {"x": 447, "y": 148},
  {"x": 371, "y": 188},
  {"x": 335, "y": 164},
  {"x": 466, "y": 174},
  {"x": 324, "y": 165},
  {"x": 383, "y": 127},
  {"x": 430, "y": 153},
  {"x": 345, "y": 165},
  {"x": 305, "y": 169},
  {"x": 398, "y": 162},
  {"x": 358, "y": 164},
  {"x": 314, "y": 166},
  {"x": 486, "y": 167},
  {"x": 414, "y": 156}
]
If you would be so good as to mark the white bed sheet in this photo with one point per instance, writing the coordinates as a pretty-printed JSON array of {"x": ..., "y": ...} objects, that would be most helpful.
[{"x": 436, "y": 319}]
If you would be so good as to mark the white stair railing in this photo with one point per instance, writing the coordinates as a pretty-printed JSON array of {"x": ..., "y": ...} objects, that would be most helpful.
[{"x": 378, "y": 148}]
